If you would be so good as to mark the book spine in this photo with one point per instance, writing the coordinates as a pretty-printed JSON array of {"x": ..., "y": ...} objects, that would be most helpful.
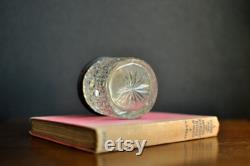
[{"x": 159, "y": 132}]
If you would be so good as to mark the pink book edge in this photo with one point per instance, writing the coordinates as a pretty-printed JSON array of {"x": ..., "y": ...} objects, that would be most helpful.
[{"x": 94, "y": 121}]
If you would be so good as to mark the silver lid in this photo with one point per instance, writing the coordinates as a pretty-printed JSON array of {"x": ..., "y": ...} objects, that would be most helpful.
[{"x": 120, "y": 87}]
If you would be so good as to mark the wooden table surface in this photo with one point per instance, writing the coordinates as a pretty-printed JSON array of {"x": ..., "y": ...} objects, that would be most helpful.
[{"x": 231, "y": 147}]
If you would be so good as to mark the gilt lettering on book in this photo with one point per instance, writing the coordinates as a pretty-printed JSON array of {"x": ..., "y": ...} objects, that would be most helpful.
[
  {"x": 198, "y": 127},
  {"x": 90, "y": 133}
]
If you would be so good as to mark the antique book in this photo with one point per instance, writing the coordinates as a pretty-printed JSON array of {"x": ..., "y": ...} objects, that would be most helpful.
[{"x": 90, "y": 133}]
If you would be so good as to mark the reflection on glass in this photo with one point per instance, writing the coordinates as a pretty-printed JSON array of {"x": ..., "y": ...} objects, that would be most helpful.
[{"x": 190, "y": 152}]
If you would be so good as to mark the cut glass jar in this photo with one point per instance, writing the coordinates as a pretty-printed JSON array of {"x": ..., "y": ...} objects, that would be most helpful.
[{"x": 123, "y": 87}]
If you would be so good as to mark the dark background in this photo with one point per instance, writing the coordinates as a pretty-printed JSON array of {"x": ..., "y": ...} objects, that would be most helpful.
[{"x": 199, "y": 49}]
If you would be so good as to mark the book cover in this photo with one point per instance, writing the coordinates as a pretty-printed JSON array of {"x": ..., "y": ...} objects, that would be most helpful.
[{"x": 90, "y": 133}]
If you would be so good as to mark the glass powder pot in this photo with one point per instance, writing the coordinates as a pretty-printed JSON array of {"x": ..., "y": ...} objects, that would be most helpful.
[{"x": 123, "y": 87}]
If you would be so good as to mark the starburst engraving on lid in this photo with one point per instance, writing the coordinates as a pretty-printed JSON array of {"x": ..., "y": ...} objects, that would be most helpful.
[{"x": 134, "y": 91}]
